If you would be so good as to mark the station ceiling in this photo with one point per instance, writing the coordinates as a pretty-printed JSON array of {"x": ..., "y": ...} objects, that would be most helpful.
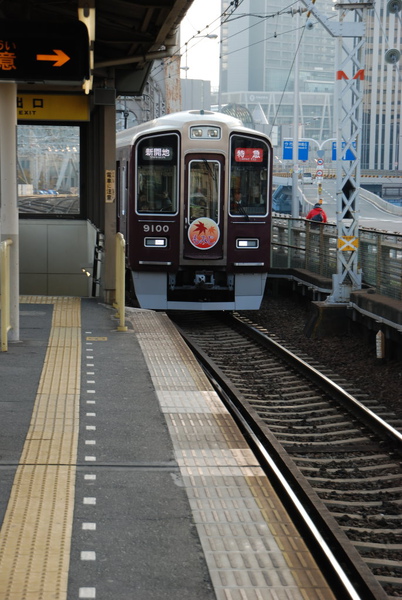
[{"x": 129, "y": 34}]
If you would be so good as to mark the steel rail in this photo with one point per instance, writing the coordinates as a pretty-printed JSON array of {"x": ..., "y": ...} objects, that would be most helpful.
[
  {"x": 381, "y": 427},
  {"x": 344, "y": 568}
]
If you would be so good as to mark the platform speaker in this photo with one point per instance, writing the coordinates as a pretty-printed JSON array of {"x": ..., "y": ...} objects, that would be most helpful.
[
  {"x": 394, "y": 6},
  {"x": 392, "y": 56}
]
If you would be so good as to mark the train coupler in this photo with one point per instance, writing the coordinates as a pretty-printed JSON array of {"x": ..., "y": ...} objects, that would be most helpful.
[{"x": 204, "y": 279}]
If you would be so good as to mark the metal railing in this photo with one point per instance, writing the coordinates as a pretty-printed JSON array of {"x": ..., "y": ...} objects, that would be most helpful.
[
  {"x": 301, "y": 244},
  {"x": 120, "y": 281},
  {"x": 5, "y": 292}
]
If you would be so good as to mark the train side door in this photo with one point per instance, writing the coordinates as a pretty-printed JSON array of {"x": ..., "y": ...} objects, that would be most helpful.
[
  {"x": 122, "y": 196},
  {"x": 203, "y": 207}
]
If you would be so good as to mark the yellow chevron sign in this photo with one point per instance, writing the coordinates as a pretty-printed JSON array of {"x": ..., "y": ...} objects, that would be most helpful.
[{"x": 348, "y": 243}]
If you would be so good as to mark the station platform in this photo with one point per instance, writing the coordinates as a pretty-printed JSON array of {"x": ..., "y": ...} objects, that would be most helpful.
[{"x": 122, "y": 476}]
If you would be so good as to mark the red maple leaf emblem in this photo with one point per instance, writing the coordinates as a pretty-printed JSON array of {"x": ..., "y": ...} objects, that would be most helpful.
[{"x": 200, "y": 227}]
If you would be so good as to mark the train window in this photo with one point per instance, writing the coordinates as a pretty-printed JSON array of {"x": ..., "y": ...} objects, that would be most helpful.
[
  {"x": 203, "y": 186},
  {"x": 249, "y": 163},
  {"x": 157, "y": 169},
  {"x": 48, "y": 170}
]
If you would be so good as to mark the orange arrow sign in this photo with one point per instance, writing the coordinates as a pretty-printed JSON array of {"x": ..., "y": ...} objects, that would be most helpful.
[{"x": 59, "y": 57}]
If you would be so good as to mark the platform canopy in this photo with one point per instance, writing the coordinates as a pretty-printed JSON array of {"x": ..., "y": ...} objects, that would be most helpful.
[{"x": 128, "y": 36}]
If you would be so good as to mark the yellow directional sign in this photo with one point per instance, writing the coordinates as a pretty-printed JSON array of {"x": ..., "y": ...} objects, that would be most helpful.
[
  {"x": 348, "y": 243},
  {"x": 52, "y": 107}
]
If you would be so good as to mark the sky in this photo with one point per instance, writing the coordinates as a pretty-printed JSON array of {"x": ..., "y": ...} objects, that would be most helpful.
[{"x": 202, "y": 53}]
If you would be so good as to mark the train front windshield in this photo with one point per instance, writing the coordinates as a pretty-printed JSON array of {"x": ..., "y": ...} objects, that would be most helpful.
[
  {"x": 249, "y": 164},
  {"x": 204, "y": 177},
  {"x": 157, "y": 174}
]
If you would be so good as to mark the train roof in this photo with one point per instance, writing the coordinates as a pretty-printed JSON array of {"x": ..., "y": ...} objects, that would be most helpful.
[{"x": 178, "y": 120}]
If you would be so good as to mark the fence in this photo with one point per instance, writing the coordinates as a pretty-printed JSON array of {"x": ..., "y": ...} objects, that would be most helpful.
[{"x": 301, "y": 244}]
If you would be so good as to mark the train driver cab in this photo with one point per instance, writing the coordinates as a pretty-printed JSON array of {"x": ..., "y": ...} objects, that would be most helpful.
[{"x": 157, "y": 188}]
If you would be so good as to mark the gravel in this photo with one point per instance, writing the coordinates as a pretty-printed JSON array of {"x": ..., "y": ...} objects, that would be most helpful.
[{"x": 352, "y": 355}]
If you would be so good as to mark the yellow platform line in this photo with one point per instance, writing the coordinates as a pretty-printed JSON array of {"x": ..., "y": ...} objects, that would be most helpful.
[
  {"x": 195, "y": 417},
  {"x": 35, "y": 537}
]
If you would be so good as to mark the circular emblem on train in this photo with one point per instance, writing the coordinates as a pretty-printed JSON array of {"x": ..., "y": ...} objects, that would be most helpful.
[{"x": 203, "y": 233}]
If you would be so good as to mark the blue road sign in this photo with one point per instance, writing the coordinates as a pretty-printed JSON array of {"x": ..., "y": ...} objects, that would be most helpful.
[
  {"x": 348, "y": 155},
  {"x": 287, "y": 153}
]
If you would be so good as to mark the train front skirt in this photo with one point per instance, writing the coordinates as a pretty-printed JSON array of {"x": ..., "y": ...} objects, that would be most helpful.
[{"x": 244, "y": 292}]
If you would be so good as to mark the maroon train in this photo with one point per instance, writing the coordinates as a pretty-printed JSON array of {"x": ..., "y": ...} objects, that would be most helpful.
[{"x": 194, "y": 205}]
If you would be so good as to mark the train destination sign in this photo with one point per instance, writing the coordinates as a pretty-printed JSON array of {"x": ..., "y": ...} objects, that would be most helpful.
[
  {"x": 249, "y": 155},
  {"x": 157, "y": 153},
  {"x": 44, "y": 52}
]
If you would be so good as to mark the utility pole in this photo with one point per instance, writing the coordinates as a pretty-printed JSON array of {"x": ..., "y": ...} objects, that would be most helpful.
[
  {"x": 172, "y": 84},
  {"x": 349, "y": 123},
  {"x": 295, "y": 155}
]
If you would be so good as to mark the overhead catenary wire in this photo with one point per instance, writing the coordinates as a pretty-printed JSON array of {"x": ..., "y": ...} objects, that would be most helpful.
[
  {"x": 211, "y": 28},
  {"x": 287, "y": 80},
  {"x": 215, "y": 26},
  {"x": 231, "y": 13}
]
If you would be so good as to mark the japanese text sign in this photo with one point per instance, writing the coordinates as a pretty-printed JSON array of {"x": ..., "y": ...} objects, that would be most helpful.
[{"x": 44, "y": 52}]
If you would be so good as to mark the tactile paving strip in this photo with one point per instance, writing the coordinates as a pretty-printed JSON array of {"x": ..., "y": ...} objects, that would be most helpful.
[
  {"x": 36, "y": 533},
  {"x": 252, "y": 549}
]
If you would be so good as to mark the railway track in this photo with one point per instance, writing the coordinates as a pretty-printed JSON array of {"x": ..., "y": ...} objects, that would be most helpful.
[
  {"x": 340, "y": 450},
  {"x": 64, "y": 204}
]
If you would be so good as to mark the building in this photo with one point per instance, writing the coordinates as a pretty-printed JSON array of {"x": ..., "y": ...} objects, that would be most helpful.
[
  {"x": 382, "y": 144},
  {"x": 195, "y": 94},
  {"x": 259, "y": 43},
  {"x": 164, "y": 93}
]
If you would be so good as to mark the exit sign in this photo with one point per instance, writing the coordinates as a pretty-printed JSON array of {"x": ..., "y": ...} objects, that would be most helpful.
[{"x": 44, "y": 52}]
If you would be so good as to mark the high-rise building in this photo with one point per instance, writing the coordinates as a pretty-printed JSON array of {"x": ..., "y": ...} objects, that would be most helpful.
[
  {"x": 259, "y": 44},
  {"x": 382, "y": 143}
]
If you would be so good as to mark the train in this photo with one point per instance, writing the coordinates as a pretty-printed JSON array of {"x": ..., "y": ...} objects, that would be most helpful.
[{"x": 194, "y": 192}]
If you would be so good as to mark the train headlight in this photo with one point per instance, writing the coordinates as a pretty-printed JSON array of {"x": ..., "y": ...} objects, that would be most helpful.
[
  {"x": 205, "y": 133},
  {"x": 155, "y": 242},
  {"x": 213, "y": 133},
  {"x": 247, "y": 243}
]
